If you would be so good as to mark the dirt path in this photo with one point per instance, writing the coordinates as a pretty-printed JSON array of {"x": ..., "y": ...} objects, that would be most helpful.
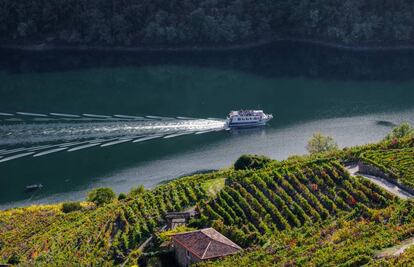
[
  {"x": 390, "y": 187},
  {"x": 396, "y": 250}
]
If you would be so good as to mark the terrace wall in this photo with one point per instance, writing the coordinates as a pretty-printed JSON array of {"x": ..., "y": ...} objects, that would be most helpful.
[{"x": 366, "y": 168}]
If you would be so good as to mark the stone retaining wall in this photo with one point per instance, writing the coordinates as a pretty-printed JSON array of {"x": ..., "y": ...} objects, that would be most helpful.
[{"x": 365, "y": 168}]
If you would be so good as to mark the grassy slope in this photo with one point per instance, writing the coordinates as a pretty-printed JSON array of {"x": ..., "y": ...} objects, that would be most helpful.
[{"x": 322, "y": 234}]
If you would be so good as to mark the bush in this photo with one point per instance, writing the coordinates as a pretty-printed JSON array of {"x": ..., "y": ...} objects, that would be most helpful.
[
  {"x": 321, "y": 143},
  {"x": 251, "y": 162},
  {"x": 101, "y": 196},
  {"x": 71, "y": 206},
  {"x": 14, "y": 259},
  {"x": 137, "y": 190},
  {"x": 122, "y": 196}
]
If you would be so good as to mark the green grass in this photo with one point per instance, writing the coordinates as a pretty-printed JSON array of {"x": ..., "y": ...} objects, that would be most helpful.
[{"x": 213, "y": 186}]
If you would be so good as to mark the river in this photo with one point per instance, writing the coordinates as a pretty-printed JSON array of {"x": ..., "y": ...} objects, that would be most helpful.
[{"x": 354, "y": 96}]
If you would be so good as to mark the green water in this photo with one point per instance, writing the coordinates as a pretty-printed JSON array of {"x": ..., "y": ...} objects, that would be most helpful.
[{"x": 351, "y": 96}]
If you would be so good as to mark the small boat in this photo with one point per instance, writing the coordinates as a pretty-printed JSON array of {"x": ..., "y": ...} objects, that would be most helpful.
[
  {"x": 33, "y": 187},
  {"x": 247, "y": 118}
]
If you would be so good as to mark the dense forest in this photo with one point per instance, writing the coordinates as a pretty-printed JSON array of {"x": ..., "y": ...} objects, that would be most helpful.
[{"x": 210, "y": 23}]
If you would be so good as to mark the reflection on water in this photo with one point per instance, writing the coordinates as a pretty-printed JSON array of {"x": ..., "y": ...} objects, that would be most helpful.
[{"x": 280, "y": 59}]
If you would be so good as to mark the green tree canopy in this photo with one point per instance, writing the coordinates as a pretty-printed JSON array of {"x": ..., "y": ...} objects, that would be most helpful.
[
  {"x": 321, "y": 143},
  {"x": 401, "y": 131},
  {"x": 101, "y": 196}
]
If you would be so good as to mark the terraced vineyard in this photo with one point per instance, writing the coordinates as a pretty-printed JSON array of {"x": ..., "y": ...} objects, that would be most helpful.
[
  {"x": 397, "y": 162},
  {"x": 277, "y": 199},
  {"x": 344, "y": 242},
  {"x": 294, "y": 207},
  {"x": 107, "y": 235}
]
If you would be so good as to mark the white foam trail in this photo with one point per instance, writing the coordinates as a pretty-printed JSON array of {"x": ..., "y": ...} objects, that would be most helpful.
[
  {"x": 13, "y": 150},
  {"x": 16, "y": 156},
  {"x": 203, "y": 132},
  {"x": 147, "y": 138},
  {"x": 31, "y": 114},
  {"x": 159, "y": 118},
  {"x": 40, "y": 147},
  {"x": 83, "y": 147},
  {"x": 176, "y": 135},
  {"x": 215, "y": 119},
  {"x": 50, "y": 151},
  {"x": 71, "y": 144},
  {"x": 14, "y": 119},
  {"x": 186, "y": 118},
  {"x": 129, "y": 117},
  {"x": 97, "y": 116},
  {"x": 6, "y": 114},
  {"x": 65, "y": 115},
  {"x": 103, "y": 140},
  {"x": 44, "y": 119},
  {"x": 115, "y": 142}
]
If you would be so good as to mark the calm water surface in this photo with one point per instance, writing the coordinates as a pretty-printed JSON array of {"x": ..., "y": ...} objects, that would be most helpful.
[{"x": 354, "y": 96}]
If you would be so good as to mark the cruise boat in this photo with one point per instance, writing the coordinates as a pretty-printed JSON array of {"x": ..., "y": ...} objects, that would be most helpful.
[{"x": 247, "y": 118}]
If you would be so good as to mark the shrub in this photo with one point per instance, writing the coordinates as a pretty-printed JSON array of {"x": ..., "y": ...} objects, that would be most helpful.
[
  {"x": 137, "y": 190},
  {"x": 251, "y": 162},
  {"x": 321, "y": 143},
  {"x": 14, "y": 259},
  {"x": 71, "y": 206},
  {"x": 122, "y": 196},
  {"x": 101, "y": 196}
]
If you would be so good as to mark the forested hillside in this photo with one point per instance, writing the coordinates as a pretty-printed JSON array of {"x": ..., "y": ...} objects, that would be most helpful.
[{"x": 209, "y": 23}]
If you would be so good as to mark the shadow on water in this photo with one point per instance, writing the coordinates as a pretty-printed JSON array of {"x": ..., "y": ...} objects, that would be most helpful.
[{"x": 280, "y": 59}]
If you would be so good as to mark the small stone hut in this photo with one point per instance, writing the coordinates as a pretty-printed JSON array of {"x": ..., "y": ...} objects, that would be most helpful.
[
  {"x": 175, "y": 219},
  {"x": 206, "y": 244}
]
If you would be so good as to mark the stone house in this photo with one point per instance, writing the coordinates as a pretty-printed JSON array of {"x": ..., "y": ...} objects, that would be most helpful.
[{"x": 206, "y": 244}]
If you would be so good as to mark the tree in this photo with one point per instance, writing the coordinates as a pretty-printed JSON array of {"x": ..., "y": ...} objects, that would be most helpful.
[
  {"x": 401, "y": 131},
  {"x": 101, "y": 196},
  {"x": 321, "y": 143}
]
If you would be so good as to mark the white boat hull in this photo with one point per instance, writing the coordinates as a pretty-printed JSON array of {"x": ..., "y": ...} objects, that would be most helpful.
[
  {"x": 250, "y": 124},
  {"x": 247, "y": 119}
]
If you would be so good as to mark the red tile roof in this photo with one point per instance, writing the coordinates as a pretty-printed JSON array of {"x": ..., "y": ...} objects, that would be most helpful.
[{"x": 206, "y": 243}]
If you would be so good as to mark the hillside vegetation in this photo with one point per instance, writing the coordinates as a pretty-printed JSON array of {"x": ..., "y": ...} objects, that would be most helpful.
[
  {"x": 305, "y": 211},
  {"x": 107, "y": 235},
  {"x": 177, "y": 23},
  {"x": 397, "y": 162}
]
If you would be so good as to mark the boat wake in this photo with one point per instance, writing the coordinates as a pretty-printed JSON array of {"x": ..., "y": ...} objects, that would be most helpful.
[{"x": 25, "y": 134}]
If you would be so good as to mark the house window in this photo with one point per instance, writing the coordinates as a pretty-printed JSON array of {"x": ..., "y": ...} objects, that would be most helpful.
[{"x": 188, "y": 254}]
